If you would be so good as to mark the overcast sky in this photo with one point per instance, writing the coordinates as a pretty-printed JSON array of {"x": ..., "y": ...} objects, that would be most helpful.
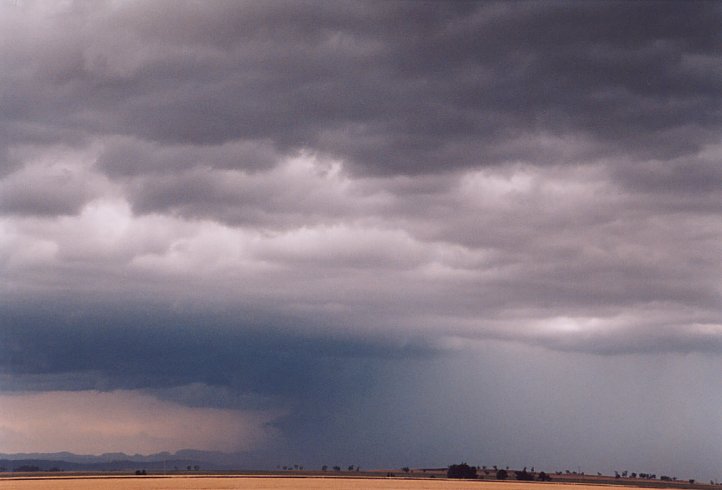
[{"x": 375, "y": 233}]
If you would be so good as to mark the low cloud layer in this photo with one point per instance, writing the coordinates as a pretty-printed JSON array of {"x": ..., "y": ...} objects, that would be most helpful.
[
  {"x": 568, "y": 258},
  {"x": 317, "y": 188},
  {"x": 89, "y": 422}
]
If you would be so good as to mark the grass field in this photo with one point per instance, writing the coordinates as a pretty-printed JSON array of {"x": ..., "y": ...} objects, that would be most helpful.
[{"x": 276, "y": 483}]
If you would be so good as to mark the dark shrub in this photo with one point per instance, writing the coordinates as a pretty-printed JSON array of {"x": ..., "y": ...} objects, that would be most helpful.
[
  {"x": 524, "y": 475},
  {"x": 462, "y": 470}
]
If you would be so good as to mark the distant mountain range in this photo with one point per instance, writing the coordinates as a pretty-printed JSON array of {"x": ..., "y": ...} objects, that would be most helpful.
[{"x": 65, "y": 461}]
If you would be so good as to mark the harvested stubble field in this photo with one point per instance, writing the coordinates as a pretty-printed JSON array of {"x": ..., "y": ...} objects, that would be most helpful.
[{"x": 273, "y": 482}]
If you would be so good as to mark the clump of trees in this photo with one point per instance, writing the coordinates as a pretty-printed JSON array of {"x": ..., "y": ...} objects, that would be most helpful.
[
  {"x": 544, "y": 477},
  {"x": 462, "y": 470},
  {"x": 325, "y": 468}
]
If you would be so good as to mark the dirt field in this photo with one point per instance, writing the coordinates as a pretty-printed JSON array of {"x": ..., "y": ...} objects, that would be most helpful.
[{"x": 276, "y": 483}]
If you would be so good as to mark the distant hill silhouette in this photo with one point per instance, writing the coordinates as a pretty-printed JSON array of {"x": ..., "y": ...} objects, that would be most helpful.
[{"x": 66, "y": 461}]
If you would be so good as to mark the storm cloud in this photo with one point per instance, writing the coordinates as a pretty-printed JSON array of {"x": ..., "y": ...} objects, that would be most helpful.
[{"x": 282, "y": 206}]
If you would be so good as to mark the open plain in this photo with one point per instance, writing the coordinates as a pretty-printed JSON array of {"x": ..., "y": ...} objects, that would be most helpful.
[{"x": 271, "y": 482}]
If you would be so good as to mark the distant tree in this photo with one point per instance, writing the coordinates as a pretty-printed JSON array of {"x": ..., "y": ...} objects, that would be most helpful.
[
  {"x": 324, "y": 468},
  {"x": 350, "y": 468},
  {"x": 691, "y": 481},
  {"x": 462, "y": 470},
  {"x": 26, "y": 468},
  {"x": 524, "y": 475},
  {"x": 336, "y": 468},
  {"x": 188, "y": 467},
  {"x": 502, "y": 475},
  {"x": 544, "y": 477},
  {"x": 196, "y": 467},
  {"x": 405, "y": 469}
]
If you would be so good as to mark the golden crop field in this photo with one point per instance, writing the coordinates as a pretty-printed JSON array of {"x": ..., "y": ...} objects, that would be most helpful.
[{"x": 275, "y": 483}]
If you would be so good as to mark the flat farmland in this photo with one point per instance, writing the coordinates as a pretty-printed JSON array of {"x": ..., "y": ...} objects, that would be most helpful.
[{"x": 276, "y": 483}]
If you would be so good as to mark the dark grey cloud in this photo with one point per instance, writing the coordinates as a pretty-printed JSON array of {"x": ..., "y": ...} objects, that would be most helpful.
[
  {"x": 129, "y": 157},
  {"x": 153, "y": 349},
  {"x": 392, "y": 88}
]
